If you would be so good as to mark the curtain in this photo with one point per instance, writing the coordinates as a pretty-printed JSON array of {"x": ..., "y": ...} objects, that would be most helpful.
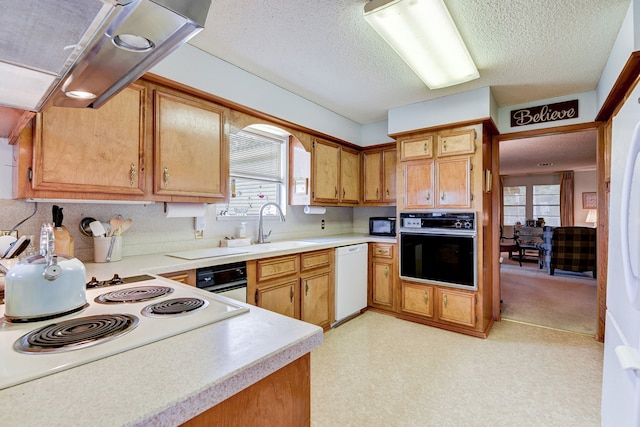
[{"x": 566, "y": 199}]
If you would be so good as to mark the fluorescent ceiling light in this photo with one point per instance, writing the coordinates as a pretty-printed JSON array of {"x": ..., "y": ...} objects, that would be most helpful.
[{"x": 424, "y": 35}]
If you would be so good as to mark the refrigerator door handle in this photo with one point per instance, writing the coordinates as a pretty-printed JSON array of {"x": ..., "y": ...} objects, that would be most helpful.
[
  {"x": 628, "y": 358},
  {"x": 632, "y": 282}
]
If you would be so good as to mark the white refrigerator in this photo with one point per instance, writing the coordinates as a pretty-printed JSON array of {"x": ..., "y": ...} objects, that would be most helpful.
[{"x": 621, "y": 370}]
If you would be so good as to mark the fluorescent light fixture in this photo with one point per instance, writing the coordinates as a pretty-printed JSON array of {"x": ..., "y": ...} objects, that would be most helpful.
[{"x": 424, "y": 35}]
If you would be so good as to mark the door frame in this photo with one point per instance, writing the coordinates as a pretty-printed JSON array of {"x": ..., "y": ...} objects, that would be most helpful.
[{"x": 603, "y": 210}]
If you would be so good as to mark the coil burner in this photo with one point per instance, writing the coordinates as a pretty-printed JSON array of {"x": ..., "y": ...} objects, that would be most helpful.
[
  {"x": 76, "y": 333},
  {"x": 174, "y": 307},
  {"x": 135, "y": 294}
]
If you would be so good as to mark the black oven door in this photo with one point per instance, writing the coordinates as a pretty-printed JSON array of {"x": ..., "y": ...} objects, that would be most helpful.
[{"x": 447, "y": 259}]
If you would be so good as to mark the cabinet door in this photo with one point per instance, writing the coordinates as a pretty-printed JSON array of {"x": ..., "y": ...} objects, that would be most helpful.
[
  {"x": 317, "y": 299},
  {"x": 349, "y": 176},
  {"x": 451, "y": 143},
  {"x": 453, "y": 183},
  {"x": 190, "y": 147},
  {"x": 416, "y": 148},
  {"x": 418, "y": 184},
  {"x": 280, "y": 297},
  {"x": 372, "y": 170},
  {"x": 389, "y": 162},
  {"x": 417, "y": 299},
  {"x": 382, "y": 285},
  {"x": 273, "y": 268},
  {"x": 457, "y": 307},
  {"x": 97, "y": 151},
  {"x": 326, "y": 172},
  {"x": 188, "y": 277}
]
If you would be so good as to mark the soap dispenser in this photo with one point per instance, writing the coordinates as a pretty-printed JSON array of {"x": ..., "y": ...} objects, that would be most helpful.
[{"x": 242, "y": 230}]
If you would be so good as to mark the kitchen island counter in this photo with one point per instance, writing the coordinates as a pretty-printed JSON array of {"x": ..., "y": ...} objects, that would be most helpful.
[{"x": 167, "y": 382}]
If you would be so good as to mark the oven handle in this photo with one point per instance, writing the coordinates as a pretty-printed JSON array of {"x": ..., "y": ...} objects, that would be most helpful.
[
  {"x": 225, "y": 287},
  {"x": 441, "y": 232}
]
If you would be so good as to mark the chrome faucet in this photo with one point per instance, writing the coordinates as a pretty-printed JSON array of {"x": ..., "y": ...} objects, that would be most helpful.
[{"x": 261, "y": 235}]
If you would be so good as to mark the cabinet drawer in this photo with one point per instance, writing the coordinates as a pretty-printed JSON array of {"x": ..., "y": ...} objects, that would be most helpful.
[
  {"x": 456, "y": 142},
  {"x": 317, "y": 259},
  {"x": 382, "y": 250},
  {"x": 272, "y": 268},
  {"x": 417, "y": 299}
]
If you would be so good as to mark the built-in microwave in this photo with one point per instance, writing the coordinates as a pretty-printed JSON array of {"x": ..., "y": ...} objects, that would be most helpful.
[{"x": 382, "y": 226}]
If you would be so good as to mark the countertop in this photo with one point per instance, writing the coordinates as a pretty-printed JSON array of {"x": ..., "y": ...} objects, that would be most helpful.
[{"x": 171, "y": 381}]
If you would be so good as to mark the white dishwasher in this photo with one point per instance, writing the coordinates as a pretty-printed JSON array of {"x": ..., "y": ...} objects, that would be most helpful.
[{"x": 351, "y": 280}]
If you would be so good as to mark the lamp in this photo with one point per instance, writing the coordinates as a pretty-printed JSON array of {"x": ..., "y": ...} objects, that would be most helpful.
[
  {"x": 424, "y": 35},
  {"x": 592, "y": 217}
]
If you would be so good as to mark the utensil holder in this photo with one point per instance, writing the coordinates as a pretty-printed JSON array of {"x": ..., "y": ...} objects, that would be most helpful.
[{"x": 101, "y": 248}]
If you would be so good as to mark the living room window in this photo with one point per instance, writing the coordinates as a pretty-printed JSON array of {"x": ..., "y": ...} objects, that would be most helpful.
[
  {"x": 515, "y": 204},
  {"x": 546, "y": 203},
  {"x": 531, "y": 197},
  {"x": 257, "y": 159}
]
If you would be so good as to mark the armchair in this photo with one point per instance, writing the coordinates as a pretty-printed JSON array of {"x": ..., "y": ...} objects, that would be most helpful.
[
  {"x": 574, "y": 249},
  {"x": 509, "y": 242}
]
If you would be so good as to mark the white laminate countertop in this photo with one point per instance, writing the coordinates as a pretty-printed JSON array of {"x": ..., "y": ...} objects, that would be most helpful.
[
  {"x": 162, "y": 263},
  {"x": 170, "y": 381}
]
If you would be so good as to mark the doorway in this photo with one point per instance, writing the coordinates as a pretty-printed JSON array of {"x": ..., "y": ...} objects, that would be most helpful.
[{"x": 535, "y": 155}]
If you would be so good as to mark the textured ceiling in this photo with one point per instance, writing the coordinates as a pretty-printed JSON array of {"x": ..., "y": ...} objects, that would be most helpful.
[
  {"x": 324, "y": 51},
  {"x": 572, "y": 151}
]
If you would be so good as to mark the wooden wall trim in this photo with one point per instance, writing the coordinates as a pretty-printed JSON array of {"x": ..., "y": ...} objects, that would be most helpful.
[
  {"x": 488, "y": 122},
  {"x": 619, "y": 92},
  {"x": 548, "y": 131}
]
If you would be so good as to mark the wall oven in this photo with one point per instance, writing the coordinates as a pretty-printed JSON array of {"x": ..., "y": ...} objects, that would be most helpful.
[
  {"x": 229, "y": 280},
  {"x": 439, "y": 248}
]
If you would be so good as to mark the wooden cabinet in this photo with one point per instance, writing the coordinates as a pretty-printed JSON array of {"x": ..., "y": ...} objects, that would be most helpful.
[
  {"x": 441, "y": 181},
  {"x": 450, "y": 305},
  {"x": 300, "y": 286},
  {"x": 382, "y": 275},
  {"x": 455, "y": 142},
  {"x": 188, "y": 277},
  {"x": 189, "y": 146},
  {"x": 149, "y": 142},
  {"x": 417, "y": 299},
  {"x": 456, "y": 306},
  {"x": 379, "y": 176},
  {"x": 336, "y": 174},
  {"x": 97, "y": 151}
]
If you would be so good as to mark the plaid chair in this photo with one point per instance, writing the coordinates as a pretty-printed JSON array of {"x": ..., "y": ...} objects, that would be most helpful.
[{"x": 573, "y": 249}]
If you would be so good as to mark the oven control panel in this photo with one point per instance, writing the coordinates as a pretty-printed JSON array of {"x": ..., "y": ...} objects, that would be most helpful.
[{"x": 438, "y": 220}]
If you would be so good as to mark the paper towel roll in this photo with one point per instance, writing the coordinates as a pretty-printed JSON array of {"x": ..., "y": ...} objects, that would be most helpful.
[
  {"x": 185, "y": 210},
  {"x": 315, "y": 210}
]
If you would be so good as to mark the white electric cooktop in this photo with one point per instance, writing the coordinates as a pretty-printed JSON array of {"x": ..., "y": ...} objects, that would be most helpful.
[{"x": 17, "y": 367}]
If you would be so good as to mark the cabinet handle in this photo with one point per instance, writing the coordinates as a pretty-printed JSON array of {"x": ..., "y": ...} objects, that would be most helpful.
[
  {"x": 444, "y": 300},
  {"x": 291, "y": 294},
  {"x": 344, "y": 192},
  {"x": 426, "y": 297},
  {"x": 165, "y": 175},
  {"x": 444, "y": 145},
  {"x": 442, "y": 195},
  {"x": 377, "y": 193},
  {"x": 387, "y": 192},
  {"x": 428, "y": 196},
  {"x": 386, "y": 272},
  {"x": 306, "y": 287},
  {"x": 336, "y": 196},
  {"x": 132, "y": 174},
  {"x": 425, "y": 147}
]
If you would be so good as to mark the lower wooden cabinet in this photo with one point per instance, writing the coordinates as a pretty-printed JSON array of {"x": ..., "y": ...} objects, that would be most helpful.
[
  {"x": 439, "y": 304},
  {"x": 299, "y": 286},
  {"x": 382, "y": 275},
  {"x": 188, "y": 277}
]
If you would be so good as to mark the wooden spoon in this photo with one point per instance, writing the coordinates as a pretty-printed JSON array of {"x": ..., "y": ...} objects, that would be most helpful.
[
  {"x": 115, "y": 225},
  {"x": 125, "y": 226}
]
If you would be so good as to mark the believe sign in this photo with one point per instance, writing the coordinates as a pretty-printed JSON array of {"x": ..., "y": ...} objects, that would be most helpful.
[{"x": 545, "y": 113}]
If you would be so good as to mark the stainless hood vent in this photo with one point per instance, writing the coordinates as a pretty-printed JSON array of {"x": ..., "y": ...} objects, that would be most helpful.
[{"x": 81, "y": 53}]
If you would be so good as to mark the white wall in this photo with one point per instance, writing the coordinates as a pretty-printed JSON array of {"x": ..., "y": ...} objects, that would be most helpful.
[
  {"x": 583, "y": 182},
  {"x": 6, "y": 166},
  {"x": 587, "y": 110}
]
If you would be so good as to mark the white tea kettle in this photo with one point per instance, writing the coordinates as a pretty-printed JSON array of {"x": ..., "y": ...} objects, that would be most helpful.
[{"x": 45, "y": 285}]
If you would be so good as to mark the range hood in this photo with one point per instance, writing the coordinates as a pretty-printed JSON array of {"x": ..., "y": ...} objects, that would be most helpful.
[{"x": 81, "y": 53}]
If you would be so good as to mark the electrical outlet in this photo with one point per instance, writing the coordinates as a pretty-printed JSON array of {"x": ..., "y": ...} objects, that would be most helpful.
[
  {"x": 199, "y": 234},
  {"x": 322, "y": 224},
  {"x": 13, "y": 233}
]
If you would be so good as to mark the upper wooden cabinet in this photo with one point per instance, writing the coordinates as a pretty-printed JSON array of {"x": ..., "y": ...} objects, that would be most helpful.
[
  {"x": 336, "y": 174},
  {"x": 97, "y": 151},
  {"x": 189, "y": 147},
  {"x": 149, "y": 142},
  {"x": 420, "y": 147},
  {"x": 455, "y": 142},
  {"x": 379, "y": 176}
]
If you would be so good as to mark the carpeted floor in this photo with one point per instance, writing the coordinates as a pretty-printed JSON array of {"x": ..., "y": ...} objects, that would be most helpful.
[{"x": 565, "y": 301}]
